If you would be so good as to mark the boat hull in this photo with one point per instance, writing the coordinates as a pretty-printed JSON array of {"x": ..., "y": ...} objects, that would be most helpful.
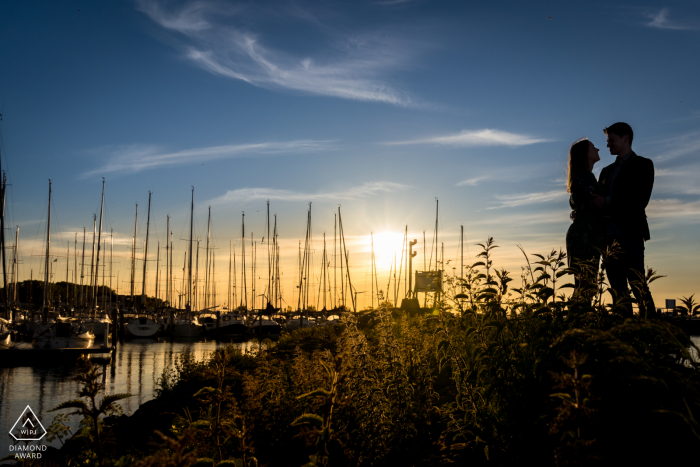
[
  {"x": 186, "y": 330},
  {"x": 266, "y": 329},
  {"x": 233, "y": 331},
  {"x": 142, "y": 328}
]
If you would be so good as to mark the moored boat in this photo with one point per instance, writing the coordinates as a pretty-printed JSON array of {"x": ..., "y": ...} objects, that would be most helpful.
[
  {"x": 186, "y": 327},
  {"x": 62, "y": 334},
  {"x": 264, "y": 327},
  {"x": 232, "y": 326},
  {"x": 143, "y": 326}
]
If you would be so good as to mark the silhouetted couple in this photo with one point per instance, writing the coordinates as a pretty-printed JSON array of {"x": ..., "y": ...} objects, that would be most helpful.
[{"x": 609, "y": 213}]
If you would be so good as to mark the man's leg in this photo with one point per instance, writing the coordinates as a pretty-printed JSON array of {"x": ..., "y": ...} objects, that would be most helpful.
[
  {"x": 634, "y": 257},
  {"x": 616, "y": 270}
]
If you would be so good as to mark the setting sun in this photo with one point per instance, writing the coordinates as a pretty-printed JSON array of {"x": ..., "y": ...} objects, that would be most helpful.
[{"x": 386, "y": 244}]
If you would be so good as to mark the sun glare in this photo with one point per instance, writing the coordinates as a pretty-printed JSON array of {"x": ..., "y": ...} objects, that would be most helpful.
[{"x": 385, "y": 245}]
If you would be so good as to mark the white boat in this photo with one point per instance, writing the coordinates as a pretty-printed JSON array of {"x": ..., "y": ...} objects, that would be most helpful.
[
  {"x": 143, "y": 326},
  {"x": 232, "y": 326},
  {"x": 186, "y": 327},
  {"x": 62, "y": 334}
]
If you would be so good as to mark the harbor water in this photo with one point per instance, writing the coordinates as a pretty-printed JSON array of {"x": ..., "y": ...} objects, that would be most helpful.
[{"x": 135, "y": 368}]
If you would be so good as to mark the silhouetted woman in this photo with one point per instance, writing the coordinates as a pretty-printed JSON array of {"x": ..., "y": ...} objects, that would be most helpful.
[{"x": 586, "y": 233}]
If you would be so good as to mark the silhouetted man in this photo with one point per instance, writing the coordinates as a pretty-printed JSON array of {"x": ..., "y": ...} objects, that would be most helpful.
[{"x": 627, "y": 184}]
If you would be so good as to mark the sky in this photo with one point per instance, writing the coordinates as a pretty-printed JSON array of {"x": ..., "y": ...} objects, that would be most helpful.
[{"x": 379, "y": 108}]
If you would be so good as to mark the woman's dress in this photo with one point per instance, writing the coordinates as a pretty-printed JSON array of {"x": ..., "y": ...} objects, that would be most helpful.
[{"x": 585, "y": 235}]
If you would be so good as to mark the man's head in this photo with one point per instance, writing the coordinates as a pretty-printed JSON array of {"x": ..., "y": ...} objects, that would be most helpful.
[{"x": 620, "y": 137}]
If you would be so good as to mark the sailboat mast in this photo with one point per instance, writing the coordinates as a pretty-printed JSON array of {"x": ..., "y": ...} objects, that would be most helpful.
[
  {"x": 16, "y": 267},
  {"x": 437, "y": 215},
  {"x": 189, "y": 272},
  {"x": 75, "y": 271},
  {"x": 99, "y": 234},
  {"x": 233, "y": 297},
  {"x": 111, "y": 261},
  {"x": 182, "y": 292},
  {"x": 230, "y": 261},
  {"x": 46, "y": 266},
  {"x": 274, "y": 263},
  {"x": 206, "y": 272},
  {"x": 157, "y": 268},
  {"x": 213, "y": 277},
  {"x": 347, "y": 262},
  {"x": 340, "y": 247},
  {"x": 269, "y": 257},
  {"x": 133, "y": 256},
  {"x": 92, "y": 257},
  {"x": 335, "y": 257},
  {"x": 196, "y": 277},
  {"x": 245, "y": 285},
  {"x": 145, "y": 252},
  {"x": 2, "y": 244},
  {"x": 82, "y": 272},
  {"x": 170, "y": 272},
  {"x": 371, "y": 236},
  {"x": 324, "y": 270},
  {"x": 461, "y": 252},
  {"x": 167, "y": 261},
  {"x": 253, "y": 251},
  {"x": 67, "y": 272}
]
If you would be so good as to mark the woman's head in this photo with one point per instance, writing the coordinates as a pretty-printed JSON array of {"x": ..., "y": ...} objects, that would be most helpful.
[{"x": 582, "y": 156}]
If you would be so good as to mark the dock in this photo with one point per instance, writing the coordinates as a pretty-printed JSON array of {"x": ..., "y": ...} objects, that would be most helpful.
[{"x": 23, "y": 353}]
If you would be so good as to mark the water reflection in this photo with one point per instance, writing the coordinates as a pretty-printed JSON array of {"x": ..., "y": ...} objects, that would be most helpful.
[{"x": 135, "y": 368}]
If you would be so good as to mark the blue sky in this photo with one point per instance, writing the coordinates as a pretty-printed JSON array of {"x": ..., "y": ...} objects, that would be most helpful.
[{"x": 380, "y": 107}]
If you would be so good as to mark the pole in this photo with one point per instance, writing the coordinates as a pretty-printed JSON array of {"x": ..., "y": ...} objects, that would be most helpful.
[
  {"x": 133, "y": 256},
  {"x": 92, "y": 257},
  {"x": 99, "y": 236},
  {"x": 82, "y": 273},
  {"x": 45, "y": 311},
  {"x": 188, "y": 306},
  {"x": 145, "y": 253}
]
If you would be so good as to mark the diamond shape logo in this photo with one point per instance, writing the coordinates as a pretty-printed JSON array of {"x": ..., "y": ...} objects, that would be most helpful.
[{"x": 28, "y": 427}]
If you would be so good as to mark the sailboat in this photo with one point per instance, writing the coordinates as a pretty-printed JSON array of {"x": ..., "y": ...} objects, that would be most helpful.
[
  {"x": 263, "y": 326},
  {"x": 142, "y": 325},
  {"x": 233, "y": 325},
  {"x": 302, "y": 319},
  {"x": 98, "y": 323},
  {"x": 57, "y": 333},
  {"x": 188, "y": 325}
]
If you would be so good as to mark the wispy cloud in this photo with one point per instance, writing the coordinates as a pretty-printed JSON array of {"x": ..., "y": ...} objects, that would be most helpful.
[
  {"x": 686, "y": 211},
  {"x": 680, "y": 180},
  {"x": 211, "y": 41},
  {"x": 514, "y": 174},
  {"x": 474, "y": 181},
  {"x": 660, "y": 20},
  {"x": 135, "y": 158},
  {"x": 363, "y": 191},
  {"x": 678, "y": 146},
  {"x": 485, "y": 137},
  {"x": 509, "y": 201}
]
